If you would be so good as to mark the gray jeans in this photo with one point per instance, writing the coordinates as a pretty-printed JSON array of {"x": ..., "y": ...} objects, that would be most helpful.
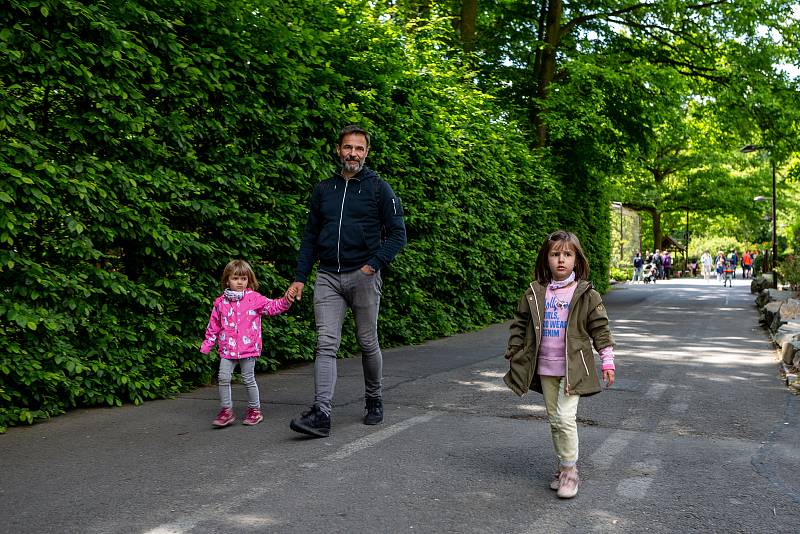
[
  {"x": 247, "y": 366},
  {"x": 333, "y": 294}
]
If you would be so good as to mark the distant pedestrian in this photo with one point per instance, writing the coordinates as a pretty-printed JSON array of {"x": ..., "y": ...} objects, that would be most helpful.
[
  {"x": 728, "y": 271},
  {"x": 658, "y": 260},
  {"x": 706, "y": 263},
  {"x": 638, "y": 263},
  {"x": 734, "y": 259},
  {"x": 549, "y": 349},
  {"x": 747, "y": 265},
  {"x": 235, "y": 327},
  {"x": 720, "y": 266},
  {"x": 667, "y": 261},
  {"x": 693, "y": 267}
]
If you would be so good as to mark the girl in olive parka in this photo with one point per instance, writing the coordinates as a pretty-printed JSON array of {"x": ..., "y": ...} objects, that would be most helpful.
[{"x": 558, "y": 319}]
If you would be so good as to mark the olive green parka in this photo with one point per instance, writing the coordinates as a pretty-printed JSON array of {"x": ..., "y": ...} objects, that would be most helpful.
[{"x": 587, "y": 324}]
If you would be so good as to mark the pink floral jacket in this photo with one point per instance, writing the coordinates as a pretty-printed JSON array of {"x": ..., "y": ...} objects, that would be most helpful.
[{"x": 236, "y": 325}]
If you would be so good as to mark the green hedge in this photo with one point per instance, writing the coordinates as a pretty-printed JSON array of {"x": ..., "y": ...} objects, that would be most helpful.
[{"x": 145, "y": 145}]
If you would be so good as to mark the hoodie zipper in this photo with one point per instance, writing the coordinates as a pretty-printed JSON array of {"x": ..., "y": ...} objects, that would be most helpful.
[{"x": 339, "y": 238}]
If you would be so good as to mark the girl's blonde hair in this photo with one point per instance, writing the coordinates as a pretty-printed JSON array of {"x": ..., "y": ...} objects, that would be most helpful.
[
  {"x": 239, "y": 268},
  {"x": 560, "y": 239}
]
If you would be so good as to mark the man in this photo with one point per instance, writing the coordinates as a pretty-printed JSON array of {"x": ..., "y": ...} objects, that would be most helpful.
[
  {"x": 734, "y": 259},
  {"x": 638, "y": 263},
  {"x": 706, "y": 262},
  {"x": 658, "y": 260},
  {"x": 355, "y": 228},
  {"x": 747, "y": 264}
]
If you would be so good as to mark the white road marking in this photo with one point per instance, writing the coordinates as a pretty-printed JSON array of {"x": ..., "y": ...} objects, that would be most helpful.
[
  {"x": 220, "y": 509},
  {"x": 679, "y": 407},
  {"x": 656, "y": 391},
  {"x": 611, "y": 447},
  {"x": 636, "y": 487},
  {"x": 377, "y": 437}
]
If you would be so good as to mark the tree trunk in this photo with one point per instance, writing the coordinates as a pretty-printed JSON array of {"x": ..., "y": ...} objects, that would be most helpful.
[
  {"x": 655, "y": 215},
  {"x": 424, "y": 9},
  {"x": 545, "y": 62},
  {"x": 469, "y": 17},
  {"x": 656, "y": 229}
]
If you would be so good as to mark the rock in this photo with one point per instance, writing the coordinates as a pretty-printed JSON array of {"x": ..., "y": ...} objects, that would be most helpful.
[
  {"x": 787, "y": 333},
  {"x": 777, "y": 294},
  {"x": 769, "y": 311},
  {"x": 759, "y": 284},
  {"x": 790, "y": 310},
  {"x": 762, "y": 298},
  {"x": 789, "y": 351},
  {"x": 771, "y": 295},
  {"x": 776, "y": 322}
]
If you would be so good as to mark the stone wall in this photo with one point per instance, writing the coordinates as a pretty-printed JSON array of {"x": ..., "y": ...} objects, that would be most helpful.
[{"x": 780, "y": 313}]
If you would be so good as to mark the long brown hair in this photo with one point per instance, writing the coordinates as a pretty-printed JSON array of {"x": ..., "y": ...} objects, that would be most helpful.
[
  {"x": 561, "y": 239},
  {"x": 239, "y": 268}
]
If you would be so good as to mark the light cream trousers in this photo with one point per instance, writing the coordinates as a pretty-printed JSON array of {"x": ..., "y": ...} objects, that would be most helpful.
[{"x": 561, "y": 412}]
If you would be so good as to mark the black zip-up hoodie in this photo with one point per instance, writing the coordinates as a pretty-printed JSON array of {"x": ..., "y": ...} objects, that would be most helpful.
[{"x": 345, "y": 223}]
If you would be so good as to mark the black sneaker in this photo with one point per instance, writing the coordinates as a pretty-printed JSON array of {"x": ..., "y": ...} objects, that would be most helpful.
[
  {"x": 374, "y": 409},
  {"x": 314, "y": 422}
]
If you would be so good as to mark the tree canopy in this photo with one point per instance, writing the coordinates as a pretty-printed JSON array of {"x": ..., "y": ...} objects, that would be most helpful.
[{"x": 146, "y": 144}]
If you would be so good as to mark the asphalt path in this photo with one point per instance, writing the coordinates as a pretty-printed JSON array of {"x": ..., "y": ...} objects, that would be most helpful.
[{"x": 698, "y": 435}]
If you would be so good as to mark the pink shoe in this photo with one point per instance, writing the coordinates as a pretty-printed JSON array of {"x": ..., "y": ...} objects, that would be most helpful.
[
  {"x": 555, "y": 482},
  {"x": 224, "y": 418},
  {"x": 568, "y": 484},
  {"x": 253, "y": 417}
]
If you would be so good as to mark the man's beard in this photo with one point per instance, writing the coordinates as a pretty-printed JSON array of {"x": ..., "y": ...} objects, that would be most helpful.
[{"x": 352, "y": 166}]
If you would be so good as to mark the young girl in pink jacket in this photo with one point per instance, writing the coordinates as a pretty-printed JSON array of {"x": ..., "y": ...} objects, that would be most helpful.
[{"x": 235, "y": 326}]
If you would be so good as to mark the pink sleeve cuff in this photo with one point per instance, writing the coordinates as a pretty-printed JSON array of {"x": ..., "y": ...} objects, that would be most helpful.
[{"x": 607, "y": 358}]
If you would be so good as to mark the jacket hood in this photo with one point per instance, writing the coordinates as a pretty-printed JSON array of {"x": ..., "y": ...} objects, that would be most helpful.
[{"x": 363, "y": 174}]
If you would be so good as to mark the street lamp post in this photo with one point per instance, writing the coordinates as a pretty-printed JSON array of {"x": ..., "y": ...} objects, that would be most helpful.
[
  {"x": 686, "y": 240},
  {"x": 686, "y": 243},
  {"x": 753, "y": 148}
]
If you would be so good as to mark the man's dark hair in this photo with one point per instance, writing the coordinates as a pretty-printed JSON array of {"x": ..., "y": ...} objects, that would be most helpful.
[{"x": 353, "y": 129}]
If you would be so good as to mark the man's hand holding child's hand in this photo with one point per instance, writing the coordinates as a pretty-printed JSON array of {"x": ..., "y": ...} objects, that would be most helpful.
[{"x": 290, "y": 294}]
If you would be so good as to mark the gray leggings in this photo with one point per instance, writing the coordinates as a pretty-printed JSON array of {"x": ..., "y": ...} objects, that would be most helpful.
[
  {"x": 333, "y": 294},
  {"x": 247, "y": 366}
]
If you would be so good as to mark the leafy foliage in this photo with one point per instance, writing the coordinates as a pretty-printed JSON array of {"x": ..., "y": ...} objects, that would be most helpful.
[
  {"x": 145, "y": 145},
  {"x": 789, "y": 269},
  {"x": 636, "y": 97},
  {"x": 619, "y": 274}
]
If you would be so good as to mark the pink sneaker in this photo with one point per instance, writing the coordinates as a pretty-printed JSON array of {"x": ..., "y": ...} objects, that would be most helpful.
[
  {"x": 224, "y": 418},
  {"x": 253, "y": 417},
  {"x": 555, "y": 482},
  {"x": 568, "y": 484}
]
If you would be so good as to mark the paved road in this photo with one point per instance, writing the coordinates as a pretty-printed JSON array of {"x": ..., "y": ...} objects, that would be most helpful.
[{"x": 698, "y": 436}]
